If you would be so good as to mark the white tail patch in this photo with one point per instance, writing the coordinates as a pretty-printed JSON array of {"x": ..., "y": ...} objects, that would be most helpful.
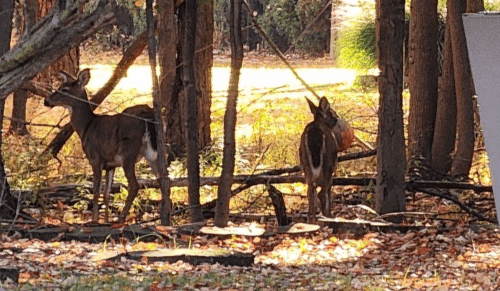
[
  {"x": 149, "y": 153},
  {"x": 316, "y": 171}
]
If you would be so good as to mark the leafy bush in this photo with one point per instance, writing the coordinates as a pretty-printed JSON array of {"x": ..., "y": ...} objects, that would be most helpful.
[
  {"x": 284, "y": 21},
  {"x": 356, "y": 46}
]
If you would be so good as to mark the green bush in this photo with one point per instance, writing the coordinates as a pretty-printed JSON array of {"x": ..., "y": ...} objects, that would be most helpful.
[
  {"x": 284, "y": 21},
  {"x": 356, "y": 46}
]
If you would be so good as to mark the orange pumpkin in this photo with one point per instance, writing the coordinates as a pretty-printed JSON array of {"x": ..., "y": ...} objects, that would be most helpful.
[{"x": 344, "y": 134}]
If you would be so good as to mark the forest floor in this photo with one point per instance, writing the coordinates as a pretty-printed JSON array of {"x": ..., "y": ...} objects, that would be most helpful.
[{"x": 445, "y": 249}]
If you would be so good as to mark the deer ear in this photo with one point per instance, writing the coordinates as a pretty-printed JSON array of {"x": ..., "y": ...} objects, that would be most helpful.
[
  {"x": 324, "y": 105},
  {"x": 312, "y": 107},
  {"x": 65, "y": 77},
  {"x": 83, "y": 77}
]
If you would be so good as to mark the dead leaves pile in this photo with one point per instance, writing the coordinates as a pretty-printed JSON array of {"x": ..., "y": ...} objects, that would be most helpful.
[{"x": 464, "y": 258}]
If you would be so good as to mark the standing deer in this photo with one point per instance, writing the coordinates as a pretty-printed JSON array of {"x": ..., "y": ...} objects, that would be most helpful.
[
  {"x": 109, "y": 141},
  {"x": 318, "y": 156}
]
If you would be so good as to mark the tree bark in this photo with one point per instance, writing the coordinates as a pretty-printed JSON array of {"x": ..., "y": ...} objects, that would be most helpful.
[
  {"x": 7, "y": 202},
  {"x": 474, "y": 6},
  {"x": 446, "y": 115},
  {"x": 18, "y": 121},
  {"x": 465, "y": 115},
  {"x": 390, "y": 190},
  {"x": 203, "y": 68},
  {"x": 224, "y": 191},
  {"x": 423, "y": 74},
  {"x": 164, "y": 180},
  {"x": 176, "y": 119},
  {"x": 52, "y": 38},
  {"x": 193, "y": 164}
]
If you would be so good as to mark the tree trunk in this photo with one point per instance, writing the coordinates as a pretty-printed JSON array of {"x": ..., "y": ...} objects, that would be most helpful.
[
  {"x": 203, "y": 68},
  {"x": 193, "y": 164},
  {"x": 226, "y": 179},
  {"x": 474, "y": 6},
  {"x": 7, "y": 201},
  {"x": 465, "y": 115},
  {"x": 69, "y": 63},
  {"x": 176, "y": 119},
  {"x": 18, "y": 122},
  {"x": 446, "y": 115},
  {"x": 166, "y": 56},
  {"x": 390, "y": 190},
  {"x": 423, "y": 74},
  {"x": 164, "y": 180}
]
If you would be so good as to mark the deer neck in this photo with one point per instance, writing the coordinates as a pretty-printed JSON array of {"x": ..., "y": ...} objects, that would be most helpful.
[{"x": 81, "y": 117}]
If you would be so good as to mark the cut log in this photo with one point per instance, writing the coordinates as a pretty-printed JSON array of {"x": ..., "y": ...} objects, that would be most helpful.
[
  {"x": 232, "y": 230},
  {"x": 11, "y": 273}
]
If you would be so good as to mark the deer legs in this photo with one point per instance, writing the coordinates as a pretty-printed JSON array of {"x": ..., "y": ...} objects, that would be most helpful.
[
  {"x": 324, "y": 198},
  {"x": 107, "y": 189},
  {"x": 97, "y": 192},
  {"x": 133, "y": 187}
]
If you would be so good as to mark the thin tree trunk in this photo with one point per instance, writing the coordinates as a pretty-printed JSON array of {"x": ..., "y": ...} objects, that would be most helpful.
[
  {"x": 164, "y": 180},
  {"x": 446, "y": 116},
  {"x": 18, "y": 121},
  {"x": 423, "y": 74},
  {"x": 224, "y": 191},
  {"x": 193, "y": 164},
  {"x": 465, "y": 115},
  {"x": 390, "y": 190}
]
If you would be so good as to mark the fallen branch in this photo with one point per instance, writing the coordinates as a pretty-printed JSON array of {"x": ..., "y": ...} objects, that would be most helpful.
[{"x": 448, "y": 196}]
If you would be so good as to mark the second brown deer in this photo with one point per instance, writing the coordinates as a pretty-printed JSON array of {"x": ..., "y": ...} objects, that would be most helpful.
[
  {"x": 318, "y": 156},
  {"x": 109, "y": 141}
]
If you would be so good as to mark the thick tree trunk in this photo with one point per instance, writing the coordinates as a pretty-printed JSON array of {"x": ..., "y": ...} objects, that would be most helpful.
[
  {"x": 8, "y": 204},
  {"x": 224, "y": 191},
  {"x": 465, "y": 115},
  {"x": 474, "y": 6},
  {"x": 176, "y": 120},
  {"x": 203, "y": 68},
  {"x": 446, "y": 116},
  {"x": 390, "y": 191},
  {"x": 193, "y": 164},
  {"x": 423, "y": 74}
]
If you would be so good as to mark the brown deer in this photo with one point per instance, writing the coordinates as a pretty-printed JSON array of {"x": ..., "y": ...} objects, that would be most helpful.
[
  {"x": 109, "y": 141},
  {"x": 318, "y": 156}
]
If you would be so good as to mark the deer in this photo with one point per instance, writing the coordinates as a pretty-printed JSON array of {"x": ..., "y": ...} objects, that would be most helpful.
[
  {"x": 109, "y": 141},
  {"x": 318, "y": 156}
]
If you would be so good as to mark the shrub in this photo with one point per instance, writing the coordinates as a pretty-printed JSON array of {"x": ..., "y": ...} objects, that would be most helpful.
[{"x": 356, "y": 46}]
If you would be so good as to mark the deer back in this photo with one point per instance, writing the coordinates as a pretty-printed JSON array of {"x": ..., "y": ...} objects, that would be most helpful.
[{"x": 318, "y": 147}]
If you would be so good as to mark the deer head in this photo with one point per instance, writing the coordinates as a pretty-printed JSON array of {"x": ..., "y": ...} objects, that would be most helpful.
[{"x": 71, "y": 92}]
